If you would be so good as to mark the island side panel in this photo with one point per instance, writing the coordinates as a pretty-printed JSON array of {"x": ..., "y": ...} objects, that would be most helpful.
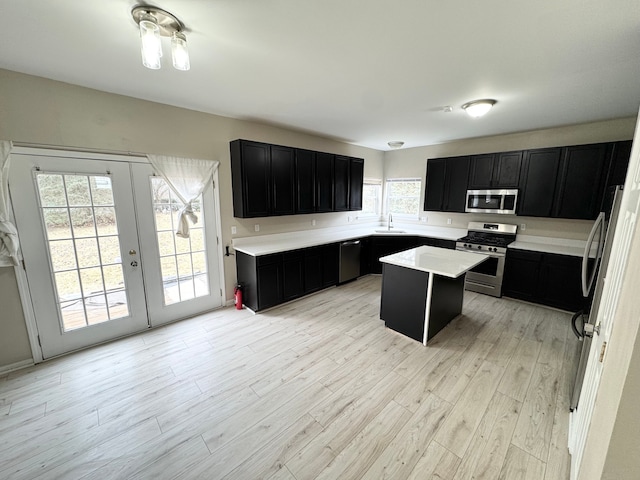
[
  {"x": 446, "y": 302},
  {"x": 403, "y": 300}
]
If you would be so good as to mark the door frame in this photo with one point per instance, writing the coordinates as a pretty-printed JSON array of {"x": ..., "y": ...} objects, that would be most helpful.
[{"x": 20, "y": 272}]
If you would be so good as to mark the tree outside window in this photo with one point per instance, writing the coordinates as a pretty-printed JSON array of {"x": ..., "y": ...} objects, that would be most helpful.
[
  {"x": 403, "y": 196},
  {"x": 371, "y": 197}
]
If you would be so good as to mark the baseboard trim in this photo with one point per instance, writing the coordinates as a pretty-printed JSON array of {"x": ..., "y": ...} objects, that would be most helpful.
[{"x": 16, "y": 366}]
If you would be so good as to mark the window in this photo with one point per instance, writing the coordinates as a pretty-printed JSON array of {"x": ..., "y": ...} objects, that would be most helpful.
[
  {"x": 403, "y": 196},
  {"x": 371, "y": 197}
]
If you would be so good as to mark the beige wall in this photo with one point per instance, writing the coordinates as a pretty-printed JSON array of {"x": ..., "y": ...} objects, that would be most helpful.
[
  {"x": 14, "y": 342},
  {"x": 412, "y": 163}
]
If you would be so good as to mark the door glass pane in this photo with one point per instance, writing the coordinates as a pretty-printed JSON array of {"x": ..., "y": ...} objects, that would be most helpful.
[
  {"x": 183, "y": 261},
  {"x": 83, "y": 248}
]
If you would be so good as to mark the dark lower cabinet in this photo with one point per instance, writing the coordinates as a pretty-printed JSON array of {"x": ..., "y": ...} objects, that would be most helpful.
[
  {"x": 544, "y": 278},
  {"x": 269, "y": 280},
  {"x": 292, "y": 275}
]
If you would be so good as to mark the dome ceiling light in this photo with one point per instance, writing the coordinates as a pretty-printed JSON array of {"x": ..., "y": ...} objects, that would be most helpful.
[
  {"x": 395, "y": 144},
  {"x": 155, "y": 23},
  {"x": 478, "y": 108}
]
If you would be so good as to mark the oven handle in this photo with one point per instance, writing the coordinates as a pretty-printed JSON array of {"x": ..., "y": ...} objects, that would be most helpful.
[{"x": 490, "y": 254}]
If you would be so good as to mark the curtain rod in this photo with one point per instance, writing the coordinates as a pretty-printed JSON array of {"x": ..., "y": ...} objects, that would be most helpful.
[{"x": 78, "y": 149}]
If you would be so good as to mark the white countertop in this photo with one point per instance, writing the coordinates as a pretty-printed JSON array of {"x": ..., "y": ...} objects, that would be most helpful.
[
  {"x": 283, "y": 242},
  {"x": 440, "y": 261},
  {"x": 561, "y": 246}
]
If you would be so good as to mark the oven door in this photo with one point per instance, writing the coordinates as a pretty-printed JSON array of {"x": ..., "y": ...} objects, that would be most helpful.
[{"x": 487, "y": 277}]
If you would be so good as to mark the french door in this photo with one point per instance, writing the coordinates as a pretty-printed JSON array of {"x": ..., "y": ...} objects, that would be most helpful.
[{"x": 101, "y": 261}]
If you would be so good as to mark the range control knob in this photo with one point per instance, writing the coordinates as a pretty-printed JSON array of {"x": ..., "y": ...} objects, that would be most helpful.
[{"x": 479, "y": 247}]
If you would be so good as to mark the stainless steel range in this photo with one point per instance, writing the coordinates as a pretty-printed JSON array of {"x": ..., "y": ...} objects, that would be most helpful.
[{"x": 491, "y": 239}]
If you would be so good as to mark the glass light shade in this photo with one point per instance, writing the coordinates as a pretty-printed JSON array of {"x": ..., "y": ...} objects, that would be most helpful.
[
  {"x": 151, "y": 47},
  {"x": 179, "y": 51},
  {"x": 478, "y": 108}
]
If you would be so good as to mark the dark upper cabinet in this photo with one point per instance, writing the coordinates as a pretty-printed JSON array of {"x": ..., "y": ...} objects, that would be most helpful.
[
  {"x": 282, "y": 180},
  {"x": 250, "y": 168},
  {"x": 275, "y": 180},
  {"x": 481, "y": 174},
  {"x": 446, "y": 186},
  {"x": 620, "y": 154},
  {"x": 580, "y": 182},
  {"x": 305, "y": 181},
  {"x": 495, "y": 170},
  {"x": 262, "y": 179},
  {"x": 537, "y": 188},
  {"x": 324, "y": 182},
  {"x": 356, "y": 180},
  {"x": 341, "y": 171}
]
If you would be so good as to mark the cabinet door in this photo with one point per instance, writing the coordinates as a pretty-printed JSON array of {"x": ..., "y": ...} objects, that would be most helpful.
[
  {"x": 330, "y": 259},
  {"x": 560, "y": 282},
  {"x": 537, "y": 191},
  {"x": 324, "y": 182},
  {"x": 341, "y": 168},
  {"x": 254, "y": 163},
  {"x": 292, "y": 275},
  {"x": 305, "y": 181},
  {"x": 521, "y": 274},
  {"x": 507, "y": 170},
  {"x": 356, "y": 179},
  {"x": 456, "y": 179},
  {"x": 621, "y": 152},
  {"x": 481, "y": 172},
  {"x": 434, "y": 189},
  {"x": 581, "y": 182},
  {"x": 282, "y": 180},
  {"x": 312, "y": 269},
  {"x": 269, "y": 285}
]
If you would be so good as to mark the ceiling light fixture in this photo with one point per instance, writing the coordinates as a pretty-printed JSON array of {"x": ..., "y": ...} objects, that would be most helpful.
[
  {"x": 155, "y": 23},
  {"x": 478, "y": 108},
  {"x": 395, "y": 144}
]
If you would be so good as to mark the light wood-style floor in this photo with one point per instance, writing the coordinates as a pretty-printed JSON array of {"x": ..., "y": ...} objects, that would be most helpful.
[{"x": 318, "y": 388}]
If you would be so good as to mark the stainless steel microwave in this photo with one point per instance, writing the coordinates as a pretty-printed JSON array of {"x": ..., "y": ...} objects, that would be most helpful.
[{"x": 492, "y": 201}]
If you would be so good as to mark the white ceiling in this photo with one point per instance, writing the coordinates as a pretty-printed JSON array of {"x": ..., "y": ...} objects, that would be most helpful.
[{"x": 361, "y": 71}]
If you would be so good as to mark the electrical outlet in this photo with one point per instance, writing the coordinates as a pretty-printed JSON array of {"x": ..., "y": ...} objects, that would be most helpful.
[
  {"x": 256, "y": 227},
  {"x": 313, "y": 223},
  {"x": 234, "y": 230},
  {"x": 523, "y": 226},
  {"x": 423, "y": 219},
  {"x": 448, "y": 221},
  {"x": 348, "y": 219}
]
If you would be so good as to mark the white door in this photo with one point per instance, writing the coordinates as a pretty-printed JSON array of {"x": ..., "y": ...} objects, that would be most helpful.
[
  {"x": 78, "y": 235},
  {"x": 181, "y": 274},
  {"x": 101, "y": 256},
  {"x": 629, "y": 209}
]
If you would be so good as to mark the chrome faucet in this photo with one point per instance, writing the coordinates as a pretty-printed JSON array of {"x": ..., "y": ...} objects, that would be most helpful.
[{"x": 390, "y": 223}]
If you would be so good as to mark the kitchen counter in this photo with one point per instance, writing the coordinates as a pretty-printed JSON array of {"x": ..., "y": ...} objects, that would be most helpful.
[
  {"x": 561, "y": 246},
  {"x": 423, "y": 288},
  {"x": 283, "y": 242}
]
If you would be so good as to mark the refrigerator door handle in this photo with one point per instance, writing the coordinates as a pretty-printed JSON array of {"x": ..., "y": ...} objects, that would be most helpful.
[{"x": 587, "y": 284}]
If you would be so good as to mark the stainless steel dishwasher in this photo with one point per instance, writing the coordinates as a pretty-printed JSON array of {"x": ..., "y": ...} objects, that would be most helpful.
[{"x": 349, "y": 261}]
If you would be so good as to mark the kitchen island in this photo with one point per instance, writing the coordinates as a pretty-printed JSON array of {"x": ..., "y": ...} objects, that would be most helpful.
[{"x": 422, "y": 289}]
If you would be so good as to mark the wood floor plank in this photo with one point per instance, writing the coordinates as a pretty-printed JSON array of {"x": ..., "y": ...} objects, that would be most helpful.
[
  {"x": 520, "y": 465},
  {"x": 360, "y": 454},
  {"x": 341, "y": 396},
  {"x": 458, "y": 429},
  {"x": 403, "y": 453}
]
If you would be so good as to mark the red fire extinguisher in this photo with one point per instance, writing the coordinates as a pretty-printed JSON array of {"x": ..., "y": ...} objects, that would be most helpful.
[{"x": 238, "y": 296}]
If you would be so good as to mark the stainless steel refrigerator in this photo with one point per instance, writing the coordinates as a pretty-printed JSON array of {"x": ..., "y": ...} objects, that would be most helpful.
[{"x": 594, "y": 268}]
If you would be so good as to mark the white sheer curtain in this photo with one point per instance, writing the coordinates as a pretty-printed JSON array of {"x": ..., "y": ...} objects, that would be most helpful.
[
  {"x": 187, "y": 178},
  {"x": 8, "y": 233}
]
